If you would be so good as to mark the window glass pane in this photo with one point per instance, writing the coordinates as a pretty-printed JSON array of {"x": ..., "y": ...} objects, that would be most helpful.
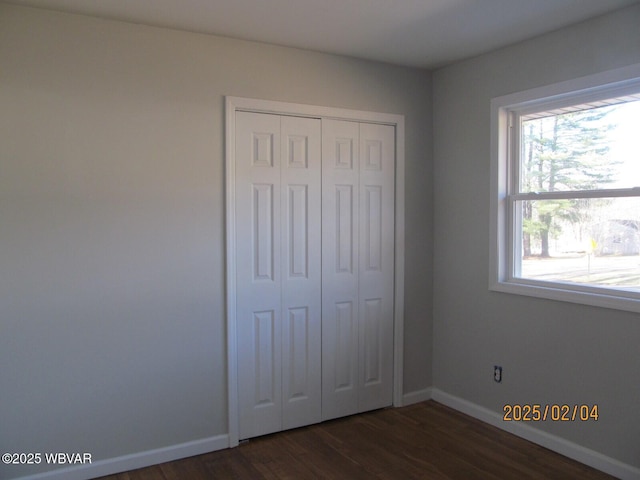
[
  {"x": 585, "y": 241},
  {"x": 588, "y": 149}
]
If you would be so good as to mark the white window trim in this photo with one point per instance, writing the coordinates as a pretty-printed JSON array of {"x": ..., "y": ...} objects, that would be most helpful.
[
  {"x": 240, "y": 104},
  {"x": 582, "y": 90}
]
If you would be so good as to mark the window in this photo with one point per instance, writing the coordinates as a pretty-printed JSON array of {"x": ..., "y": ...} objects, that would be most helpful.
[{"x": 566, "y": 191}]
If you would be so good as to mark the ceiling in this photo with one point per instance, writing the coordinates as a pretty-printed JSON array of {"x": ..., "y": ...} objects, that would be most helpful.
[{"x": 419, "y": 33}]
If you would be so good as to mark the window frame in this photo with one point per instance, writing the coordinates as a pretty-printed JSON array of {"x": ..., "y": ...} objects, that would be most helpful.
[{"x": 504, "y": 222}]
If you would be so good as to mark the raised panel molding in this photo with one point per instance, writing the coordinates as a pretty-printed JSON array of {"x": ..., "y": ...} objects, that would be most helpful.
[
  {"x": 373, "y": 155},
  {"x": 299, "y": 352},
  {"x": 262, "y": 150},
  {"x": 344, "y": 318},
  {"x": 263, "y": 231},
  {"x": 298, "y": 231},
  {"x": 265, "y": 357},
  {"x": 344, "y": 153},
  {"x": 298, "y": 147},
  {"x": 373, "y": 230},
  {"x": 372, "y": 345},
  {"x": 344, "y": 228}
]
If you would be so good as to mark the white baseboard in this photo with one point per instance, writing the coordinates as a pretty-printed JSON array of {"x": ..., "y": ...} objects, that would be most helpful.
[
  {"x": 417, "y": 396},
  {"x": 134, "y": 461},
  {"x": 552, "y": 442}
]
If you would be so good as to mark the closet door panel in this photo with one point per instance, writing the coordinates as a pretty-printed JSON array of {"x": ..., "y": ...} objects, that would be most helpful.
[
  {"x": 258, "y": 273},
  {"x": 340, "y": 253},
  {"x": 376, "y": 265},
  {"x": 302, "y": 275}
]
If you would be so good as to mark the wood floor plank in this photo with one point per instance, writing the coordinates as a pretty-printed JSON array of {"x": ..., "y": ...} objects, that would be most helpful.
[
  {"x": 184, "y": 468},
  {"x": 419, "y": 442}
]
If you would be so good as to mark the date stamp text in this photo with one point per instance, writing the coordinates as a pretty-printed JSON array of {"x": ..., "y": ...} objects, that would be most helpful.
[{"x": 553, "y": 412}]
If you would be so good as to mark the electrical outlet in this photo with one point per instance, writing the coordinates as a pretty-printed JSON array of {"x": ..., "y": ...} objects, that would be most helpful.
[{"x": 497, "y": 373}]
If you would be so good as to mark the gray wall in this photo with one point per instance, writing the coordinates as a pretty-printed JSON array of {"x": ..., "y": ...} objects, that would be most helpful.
[
  {"x": 552, "y": 352},
  {"x": 112, "y": 329}
]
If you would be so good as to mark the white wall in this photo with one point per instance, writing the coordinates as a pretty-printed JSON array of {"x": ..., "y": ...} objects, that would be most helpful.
[
  {"x": 112, "y": 336},
  {"x": 552, "y": 352}
]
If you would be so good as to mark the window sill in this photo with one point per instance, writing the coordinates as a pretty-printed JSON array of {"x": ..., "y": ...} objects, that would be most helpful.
[{"x": 593, "y": 296}]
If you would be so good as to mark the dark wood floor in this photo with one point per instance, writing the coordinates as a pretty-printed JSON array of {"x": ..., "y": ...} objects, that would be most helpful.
[{"x": 422, "y": 441}]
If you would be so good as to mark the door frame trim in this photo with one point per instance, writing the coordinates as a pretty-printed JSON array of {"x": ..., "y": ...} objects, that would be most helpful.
[{"x": 239, "y": 104}]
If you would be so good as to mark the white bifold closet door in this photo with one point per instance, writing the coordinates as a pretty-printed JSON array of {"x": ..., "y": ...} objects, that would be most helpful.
[
  {"x": 357, "y": 266},
  {"x": 314, "y": 269},
  {"x": 278, "y": 272}
]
